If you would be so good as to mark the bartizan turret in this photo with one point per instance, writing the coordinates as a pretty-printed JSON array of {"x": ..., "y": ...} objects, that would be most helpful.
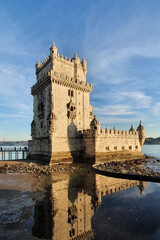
[
  {"x": 37, "y": 65},
  {"x": 141, "y": 132},
  {"x": 95, "y": 126},
  {"x": 84, "y": 65},
  {"x": 132, "y": 128},
  {"x": 53, "y": 54},
  {"x": 53, "y": 50}
]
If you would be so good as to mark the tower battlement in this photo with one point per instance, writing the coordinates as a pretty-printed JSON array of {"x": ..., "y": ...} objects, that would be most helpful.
[
  {"x": 112, "y": 133},
  {"x": 67, "y": 66}
]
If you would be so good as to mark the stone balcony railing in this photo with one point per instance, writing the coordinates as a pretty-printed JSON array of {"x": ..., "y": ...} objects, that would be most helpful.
[{"x": 61, "y": 78}]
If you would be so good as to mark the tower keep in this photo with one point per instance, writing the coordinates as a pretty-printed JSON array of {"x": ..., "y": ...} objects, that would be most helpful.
[
  {"x": 61, "y": 107},
  {"x": 63, "y": 127}
]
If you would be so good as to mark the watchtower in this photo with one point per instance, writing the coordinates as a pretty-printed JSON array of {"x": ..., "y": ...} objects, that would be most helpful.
[
  {"x": 61, "y": 107},
  {"x": 63, "y": 127}
]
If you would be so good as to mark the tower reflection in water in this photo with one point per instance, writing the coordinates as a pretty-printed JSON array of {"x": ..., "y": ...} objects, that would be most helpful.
[{"x": 70, "y": 202}]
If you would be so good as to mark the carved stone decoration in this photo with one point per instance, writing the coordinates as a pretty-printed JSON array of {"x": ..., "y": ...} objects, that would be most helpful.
[
  {"x": 72, "y": 214},
  {"x": 33, "y": 129},
  {"x": 40, "y": 105},
  {"x": 51, "y": 122},
  {"x": 71, "y": 110},
  {"x": 40, "y": 110}
]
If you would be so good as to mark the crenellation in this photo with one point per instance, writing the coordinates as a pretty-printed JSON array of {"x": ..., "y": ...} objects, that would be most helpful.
[
  {"x": 118, "y": 133},
  {"x": 39, "y": 66},
  {"x": 103, "y": 131}
]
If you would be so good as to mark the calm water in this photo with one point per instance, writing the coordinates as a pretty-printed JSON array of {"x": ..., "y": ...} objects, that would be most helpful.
[
  {"x": 63, "y": 206},
  {"x": 152, "y": 150},
  {"x": 14, "y": 156}
]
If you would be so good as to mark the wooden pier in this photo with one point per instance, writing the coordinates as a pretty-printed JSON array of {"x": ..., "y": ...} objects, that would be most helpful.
[{"x": 16, "y": 153}]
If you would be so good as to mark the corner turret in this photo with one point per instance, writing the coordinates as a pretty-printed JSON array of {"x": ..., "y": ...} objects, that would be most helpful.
[
  {"x": 132, "y": 128},
  {"x": 76, "y": 60},
  {"x": 95, "y": 125},
  {"x": 53, "y": 50},
  {"x": 141, "y": 132},
  {"x": 84, "y": 65},
  {"x": 37, "y": 65}
]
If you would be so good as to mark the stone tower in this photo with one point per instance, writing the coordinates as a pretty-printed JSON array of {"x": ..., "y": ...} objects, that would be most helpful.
[
  {"x": 61, "y": 107},
  {"x": 63, "y": 127}
]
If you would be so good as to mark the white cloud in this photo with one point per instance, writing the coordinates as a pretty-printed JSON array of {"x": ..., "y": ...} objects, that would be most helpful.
[
  {"x": 110, "y": 57},
  {"x": 129, "y": 104},
  {"x": 156, "y": 109},
  {"x": 114, "y": 110},
  {"x": 140, "y": 99},
  {"x": 107, "y": 120},
  {"x": 134, "y": 99},
  {"x": 14, "y": 116},
  {"x": 15, "y": 89},
  {"x": 151, "y": 125}
]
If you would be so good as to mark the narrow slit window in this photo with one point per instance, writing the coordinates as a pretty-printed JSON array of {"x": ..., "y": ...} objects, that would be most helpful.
[{"x": 72, "y": 94}]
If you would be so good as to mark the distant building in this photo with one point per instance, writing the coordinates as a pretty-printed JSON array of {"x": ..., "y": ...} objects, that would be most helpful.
[{"x": 63, "y": 127}]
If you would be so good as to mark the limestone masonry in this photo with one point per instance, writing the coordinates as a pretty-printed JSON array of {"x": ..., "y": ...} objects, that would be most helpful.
[{"x": 63, "y": 127}]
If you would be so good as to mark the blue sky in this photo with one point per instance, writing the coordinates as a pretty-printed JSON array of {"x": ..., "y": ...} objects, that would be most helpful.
[{"x": 119, "y": 39}]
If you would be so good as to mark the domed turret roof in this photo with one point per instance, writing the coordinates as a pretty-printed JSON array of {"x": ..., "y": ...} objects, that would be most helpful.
[
  {"x": 140, "y": 127},
  {"x": 132, "y": 128},
  {"x": 94, "y": 122}
]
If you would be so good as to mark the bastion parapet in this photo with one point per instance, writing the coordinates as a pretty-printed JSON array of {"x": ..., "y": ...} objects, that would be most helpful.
[{"x": 63, "y": 127}]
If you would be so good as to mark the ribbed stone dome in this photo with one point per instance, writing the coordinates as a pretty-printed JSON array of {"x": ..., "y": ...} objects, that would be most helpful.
[
  {"x": 140, "y": 127},
  {"x": 132, "y": 128}
]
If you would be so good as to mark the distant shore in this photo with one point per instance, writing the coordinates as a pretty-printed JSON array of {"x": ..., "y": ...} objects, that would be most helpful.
[
  {"x": 13, "y": 143},
  {"x": 152, "y": 141},
  {"x": 148, "y": 141}
]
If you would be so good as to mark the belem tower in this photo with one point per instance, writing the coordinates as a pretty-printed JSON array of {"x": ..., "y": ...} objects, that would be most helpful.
[{"x": 63, "y": 127}]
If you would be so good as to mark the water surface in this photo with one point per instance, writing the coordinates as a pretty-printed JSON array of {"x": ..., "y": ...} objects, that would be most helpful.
[{"x": 81, "y": 205}]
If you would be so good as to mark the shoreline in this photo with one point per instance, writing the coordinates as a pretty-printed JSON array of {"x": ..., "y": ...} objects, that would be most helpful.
[
  {"x": 35, "y": 167},
  {"x": 129, "y": 169},
  {"x": 135, "y": 169},
  {"x": 127, "y": 176}
]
